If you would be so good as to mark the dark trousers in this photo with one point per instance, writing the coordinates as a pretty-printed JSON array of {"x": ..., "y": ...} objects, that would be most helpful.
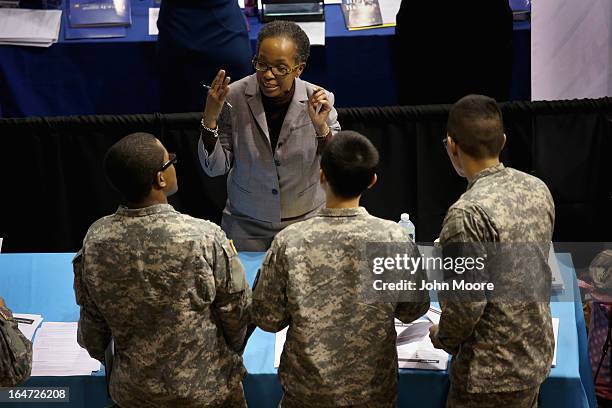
[
  {"x": 193, "y": 44},
  {"x": 445, "y": 50}
]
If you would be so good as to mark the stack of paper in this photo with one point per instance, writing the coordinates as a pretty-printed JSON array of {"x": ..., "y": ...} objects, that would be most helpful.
[
  {"x": 37, "y": 28},
  {"x": 57, "y": 353},
  {"x": 28, "y": 323},
  {"x": 415, "y": 350}
]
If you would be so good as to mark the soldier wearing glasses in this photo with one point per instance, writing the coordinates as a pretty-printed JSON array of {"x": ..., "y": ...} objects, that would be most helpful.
[
  {"x": 267, "y": 131},
  {"x": 167, "y": 288}
]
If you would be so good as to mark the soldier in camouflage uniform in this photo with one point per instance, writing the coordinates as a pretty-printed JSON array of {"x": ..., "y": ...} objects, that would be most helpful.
[
  {"x": 340, "y": 351},
  {"x": 169, "y": 289},
  {"x": 502, "y": 351},
  {"x": 15, "y": 350}
]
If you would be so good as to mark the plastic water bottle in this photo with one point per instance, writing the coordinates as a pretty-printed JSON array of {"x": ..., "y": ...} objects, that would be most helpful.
[{"x": 405, "y": 223}]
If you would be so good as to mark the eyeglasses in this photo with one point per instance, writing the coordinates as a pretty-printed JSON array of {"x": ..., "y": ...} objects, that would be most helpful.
[
  {"x": 171, "y": 160},
  {"x": 277, "y": 70}
]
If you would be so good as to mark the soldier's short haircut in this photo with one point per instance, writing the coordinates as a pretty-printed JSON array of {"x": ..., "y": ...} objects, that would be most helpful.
[
  {"x": 289, "y": 30},
  {"x": 475, "y": 123},
  {"x": 349, "y": 162},
  {"x": 131, "y": 165}
]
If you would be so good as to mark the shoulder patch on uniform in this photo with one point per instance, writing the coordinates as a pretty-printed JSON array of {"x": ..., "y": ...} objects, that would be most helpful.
[{"x": 231, "y": 243}]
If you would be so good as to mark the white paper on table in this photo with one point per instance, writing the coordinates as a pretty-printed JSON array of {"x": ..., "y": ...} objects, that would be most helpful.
[
  {"x": 279, "y": 344},
  {"x": 29, "y": 27},
  {"x": 555, "y": 324},
  {"x": 411, "y": 332},
  {"x": 433, "y": 314},
  {"x": 28, "y": 329},
  {"x": 57, "y": 353},
  {"x": 315, "y": 32},
  {"x": 388, "y": 10},
  {"x": 417, "y": 351},
  {"x": 28, "y": 44},
  {"x": 153, "y": 15}
]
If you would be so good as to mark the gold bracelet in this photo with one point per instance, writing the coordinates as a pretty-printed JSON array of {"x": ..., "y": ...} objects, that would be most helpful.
[{"x": 326, "y": 133}]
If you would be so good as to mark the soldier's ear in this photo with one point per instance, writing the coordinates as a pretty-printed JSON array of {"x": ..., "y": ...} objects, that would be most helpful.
[
  {"x": 374, "y": 180},
  {"x": 160, "y": 182},
  {"x": 322, "y": 177}
]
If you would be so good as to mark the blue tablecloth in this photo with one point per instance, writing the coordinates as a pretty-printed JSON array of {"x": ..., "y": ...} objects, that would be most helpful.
[
  {"x": 119, "y": 75},
  {"x": 42, "y": 283}
]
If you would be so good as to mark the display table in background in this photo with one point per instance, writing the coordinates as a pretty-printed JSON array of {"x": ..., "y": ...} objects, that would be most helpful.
[
  {"x": 119, "y": 75},
  {"x": 42, "y": 284}
]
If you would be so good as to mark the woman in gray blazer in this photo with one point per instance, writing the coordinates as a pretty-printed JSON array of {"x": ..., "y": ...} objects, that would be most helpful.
[{"x": 267, "y": 130}]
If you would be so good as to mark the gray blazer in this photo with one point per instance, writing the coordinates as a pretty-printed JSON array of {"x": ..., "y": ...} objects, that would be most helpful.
[{"x": 262, "y": 184}]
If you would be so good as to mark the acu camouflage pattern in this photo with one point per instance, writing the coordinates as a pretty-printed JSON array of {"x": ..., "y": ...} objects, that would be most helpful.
[
  {"x": 172, "y": 293},
  {"x": 498, "y": 346},
  {"x": 339, "y": 350},
  {"x": 15, "y": 351}
]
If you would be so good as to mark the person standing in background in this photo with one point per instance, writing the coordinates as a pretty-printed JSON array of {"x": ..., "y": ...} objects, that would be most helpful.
[{"x": 196, "y": 38}]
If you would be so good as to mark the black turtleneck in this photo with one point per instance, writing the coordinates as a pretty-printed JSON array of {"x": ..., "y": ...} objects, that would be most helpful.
[{"x": 276, "y": 109}]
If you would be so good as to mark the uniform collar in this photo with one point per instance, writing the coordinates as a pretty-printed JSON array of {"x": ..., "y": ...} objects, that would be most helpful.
[
  {"x": 142, "y": 212},
  {"x": 484, "y": 173},
  {"x": 343, "y": 212}
]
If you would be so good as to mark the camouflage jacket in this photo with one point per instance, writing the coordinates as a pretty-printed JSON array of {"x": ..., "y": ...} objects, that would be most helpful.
[
  {"x": 15, "y": 352},
  {"x": 171, "y": 292},
  {"x": 501, "y": 345},
  {"x": 339, "y": 350}
]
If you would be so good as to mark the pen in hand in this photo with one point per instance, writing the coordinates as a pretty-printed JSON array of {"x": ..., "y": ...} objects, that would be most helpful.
[{"x": 225, "y": 102}]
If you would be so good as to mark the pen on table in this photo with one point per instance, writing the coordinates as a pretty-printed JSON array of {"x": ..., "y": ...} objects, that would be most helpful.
[
  {"x": 436, "y": 311},
  {"x": 225, "y": 102},
  {"x": 419, "y": 360}
]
